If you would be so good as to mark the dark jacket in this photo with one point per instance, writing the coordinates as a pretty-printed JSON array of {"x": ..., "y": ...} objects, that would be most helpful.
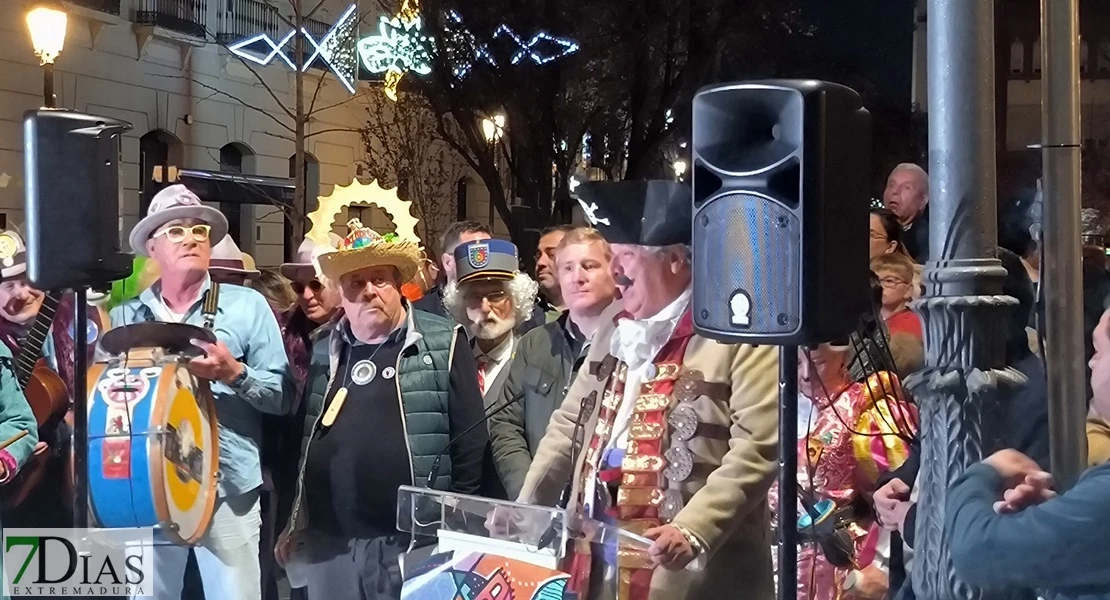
[
  {"x": 1059, "y": 545},
  {"x": 436, "y": 373},
  {"x": 544, "y": 366},
  {"x": 432, "y": 302},
  {"x": 916, "y": 238}
]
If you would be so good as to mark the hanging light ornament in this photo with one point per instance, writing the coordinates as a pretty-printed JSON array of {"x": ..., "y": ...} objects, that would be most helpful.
[{"x": 400, "y": 46}]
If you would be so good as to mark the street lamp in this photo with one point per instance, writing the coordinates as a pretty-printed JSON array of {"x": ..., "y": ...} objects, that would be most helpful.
[
  {"x": 493, "y": 128},
  {"x": 679, "y": 167},
  {"x": 47, "y": 23}
]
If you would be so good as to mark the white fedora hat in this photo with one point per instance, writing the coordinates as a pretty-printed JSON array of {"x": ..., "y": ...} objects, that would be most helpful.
[
  {"x": 176, "y": 202},
  {"x": 227, "y": 258}
]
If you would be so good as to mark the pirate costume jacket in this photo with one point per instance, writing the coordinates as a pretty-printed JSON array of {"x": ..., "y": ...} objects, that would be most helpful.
[{"x": 674, "y": 429}]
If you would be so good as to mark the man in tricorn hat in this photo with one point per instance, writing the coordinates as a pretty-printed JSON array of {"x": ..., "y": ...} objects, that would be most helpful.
[
  {"x": 678, "y": 433},
  {"x": 403, "y": 383},
  {"x": 249, "y": 375}
]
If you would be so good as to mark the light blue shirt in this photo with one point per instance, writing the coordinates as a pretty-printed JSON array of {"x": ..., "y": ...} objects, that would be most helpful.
[{"x": 246, "y": 324}]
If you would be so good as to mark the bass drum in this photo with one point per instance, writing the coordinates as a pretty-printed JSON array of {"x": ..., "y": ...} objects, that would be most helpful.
[{"x": 153, "y": 446}]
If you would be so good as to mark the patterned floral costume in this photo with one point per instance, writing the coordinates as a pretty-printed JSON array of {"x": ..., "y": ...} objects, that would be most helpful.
[{"x": 842, "y": 450}]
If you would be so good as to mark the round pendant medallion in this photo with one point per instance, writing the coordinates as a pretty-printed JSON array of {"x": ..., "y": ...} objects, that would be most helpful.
[
  {"x": 389, "y": 372},
  {"x": 363, "y": 372}
]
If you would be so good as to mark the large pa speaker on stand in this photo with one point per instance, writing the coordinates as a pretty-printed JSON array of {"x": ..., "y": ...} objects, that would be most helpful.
[
  {"x": 780, "y": 238},
  {"x": 781, "y": 175},
  {"x": 71, "y": 166}
]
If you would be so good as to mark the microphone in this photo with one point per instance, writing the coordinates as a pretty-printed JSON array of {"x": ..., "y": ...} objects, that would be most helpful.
[
  {"x": 576, "y": 444},
  {"x": 433, "y": 473}
]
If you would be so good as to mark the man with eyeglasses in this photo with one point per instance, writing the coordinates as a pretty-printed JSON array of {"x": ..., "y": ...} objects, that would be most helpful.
[
  {"x": 249, "y": 374},
  {"x": 491, "y": 298}
]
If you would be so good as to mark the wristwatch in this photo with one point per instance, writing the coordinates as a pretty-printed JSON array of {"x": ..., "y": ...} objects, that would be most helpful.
[{"x": 241, "y": 378}]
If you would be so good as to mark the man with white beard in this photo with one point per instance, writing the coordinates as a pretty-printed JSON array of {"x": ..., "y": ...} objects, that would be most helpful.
[{"x": 490, "y": 298}]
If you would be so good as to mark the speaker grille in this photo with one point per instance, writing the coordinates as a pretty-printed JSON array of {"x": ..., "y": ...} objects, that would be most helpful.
[{"x": 742, "y": 226}]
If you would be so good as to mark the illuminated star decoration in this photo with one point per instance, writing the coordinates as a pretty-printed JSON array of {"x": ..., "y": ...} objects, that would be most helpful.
[
  {"x": 399, "y": 47},
  {"x": 541, "y": 48},
  {"x": 335, "y": 48}
]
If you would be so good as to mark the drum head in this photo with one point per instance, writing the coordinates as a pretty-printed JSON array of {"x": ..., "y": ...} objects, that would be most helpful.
[
  {"x": 171, "y": 337},
  {"x": 189, "y": 458}
]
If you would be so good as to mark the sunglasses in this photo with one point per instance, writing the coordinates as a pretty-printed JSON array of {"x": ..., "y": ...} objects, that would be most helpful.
[
  {"x": 313, "y": 285},
  {"x": 177, "y": 233}
]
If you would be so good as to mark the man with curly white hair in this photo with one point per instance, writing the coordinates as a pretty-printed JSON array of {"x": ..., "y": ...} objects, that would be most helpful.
[{"x": 490, "y": 297}]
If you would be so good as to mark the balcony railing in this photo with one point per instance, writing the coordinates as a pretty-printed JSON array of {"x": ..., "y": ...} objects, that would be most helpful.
[
  {"x": 106, "y": 6},
  {"x": 185, "y": 16},
  {"x": 316, "y": 28},
  {"x": 247, "y": 18}
]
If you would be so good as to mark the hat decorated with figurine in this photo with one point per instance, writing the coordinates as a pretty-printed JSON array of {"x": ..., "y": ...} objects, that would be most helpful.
[
  {"x": 172, "y": 203},
  {"x": 486, "y": 259},
  {"x": 643, "y": 213},
  {"x": 227, "y": 258},
  {"x": 363, "y": 247},
  {"x": 13, "y": 255}
]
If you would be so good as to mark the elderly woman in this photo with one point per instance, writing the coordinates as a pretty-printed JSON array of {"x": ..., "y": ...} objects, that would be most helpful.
[
  {"x": 848, "y": 435},
  {"x": 491, "y": 298}
]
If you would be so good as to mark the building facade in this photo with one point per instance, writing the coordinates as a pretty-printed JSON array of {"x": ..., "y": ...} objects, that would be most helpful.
[{"x": 164, "y": 66}]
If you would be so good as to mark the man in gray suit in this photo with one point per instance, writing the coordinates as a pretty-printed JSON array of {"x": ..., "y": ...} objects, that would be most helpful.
[{"x": 490, "y": 298}]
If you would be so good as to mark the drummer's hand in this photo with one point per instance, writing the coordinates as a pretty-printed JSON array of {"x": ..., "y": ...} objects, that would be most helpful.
[
  {"x": 671, "y": 548},
  {"x": 218, "y": 365}
]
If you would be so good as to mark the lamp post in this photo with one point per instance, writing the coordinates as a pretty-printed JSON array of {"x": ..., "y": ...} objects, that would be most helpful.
[{"x": 46, "y": 22}]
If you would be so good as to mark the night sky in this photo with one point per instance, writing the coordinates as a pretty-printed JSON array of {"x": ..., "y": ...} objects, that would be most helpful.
[{"x": 874, "y": 35}]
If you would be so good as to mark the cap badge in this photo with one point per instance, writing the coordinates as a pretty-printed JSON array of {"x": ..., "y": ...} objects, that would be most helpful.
[
  {"x": 478, "y": 255},
  {"x": 591, "y": 213}
]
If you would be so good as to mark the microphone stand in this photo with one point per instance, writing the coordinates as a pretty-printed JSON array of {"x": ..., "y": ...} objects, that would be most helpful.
[
  {"x": 80, "y": 439},
  {"x": 788, "y": 473},
  {"x": 433, "y": 473}
]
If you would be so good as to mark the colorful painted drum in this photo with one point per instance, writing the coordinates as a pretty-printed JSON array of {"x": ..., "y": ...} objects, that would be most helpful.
[{"x": 153, "y": 445}]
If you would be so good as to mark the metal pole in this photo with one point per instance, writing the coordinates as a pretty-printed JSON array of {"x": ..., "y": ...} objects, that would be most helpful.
[
  {"x": 80, "y": 412},
  {"x": 1061, "y": 271},
  {"x": 959, "y": 391},
  {"x": 788, "y": 474},
  {"x": 48, "y": 85}
]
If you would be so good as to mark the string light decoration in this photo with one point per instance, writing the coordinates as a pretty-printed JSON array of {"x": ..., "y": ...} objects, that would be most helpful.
[
  {"x": 335, "y": 49},
  {"x": 400, "y": 47},
  {"x": 541, "y": 48}
]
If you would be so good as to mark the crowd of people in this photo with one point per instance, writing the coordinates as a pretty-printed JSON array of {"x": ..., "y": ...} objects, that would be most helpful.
[{"x": 344, "y": 375}]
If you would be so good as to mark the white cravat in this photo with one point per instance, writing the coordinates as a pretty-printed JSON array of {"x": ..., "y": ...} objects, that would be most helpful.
[{"x": 636, "y": 342}]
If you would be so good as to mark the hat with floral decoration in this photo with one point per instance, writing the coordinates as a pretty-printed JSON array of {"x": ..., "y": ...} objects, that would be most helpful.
[{"x": 363, "y": 247}]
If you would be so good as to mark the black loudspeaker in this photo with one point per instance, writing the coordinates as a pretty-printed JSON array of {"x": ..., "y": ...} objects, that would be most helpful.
[
  {"x": 71, "y": 164},
  {"x": 780, "y": 232}
]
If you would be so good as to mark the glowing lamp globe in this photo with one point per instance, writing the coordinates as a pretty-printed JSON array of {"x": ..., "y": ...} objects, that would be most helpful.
[{"x": 47, "y": 25}]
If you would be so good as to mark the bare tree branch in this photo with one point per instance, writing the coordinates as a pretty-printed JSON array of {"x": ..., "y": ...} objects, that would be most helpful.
[
  {"x": 218, "y": 92},
  {"x": 331, "y": 130}
]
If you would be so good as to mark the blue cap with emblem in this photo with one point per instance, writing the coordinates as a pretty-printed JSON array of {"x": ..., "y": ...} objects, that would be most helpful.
[{"x": 486, "y": 259}]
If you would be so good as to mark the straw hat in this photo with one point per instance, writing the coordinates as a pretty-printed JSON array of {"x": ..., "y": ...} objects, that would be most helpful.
[{"x": 363, "y": 247}]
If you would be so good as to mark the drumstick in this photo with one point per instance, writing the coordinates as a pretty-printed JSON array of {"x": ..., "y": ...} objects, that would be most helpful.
[{"x": 15, "y": 438}]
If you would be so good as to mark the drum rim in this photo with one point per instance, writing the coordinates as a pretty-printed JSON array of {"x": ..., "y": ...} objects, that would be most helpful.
[
  {"x": 107, "y": 337},
  {"x": 158, "y": 480}
]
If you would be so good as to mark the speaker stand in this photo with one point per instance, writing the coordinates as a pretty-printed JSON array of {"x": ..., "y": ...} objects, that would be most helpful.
[
  {"x": 788, "y": 474},
  {"x": 80, "y": 443}
]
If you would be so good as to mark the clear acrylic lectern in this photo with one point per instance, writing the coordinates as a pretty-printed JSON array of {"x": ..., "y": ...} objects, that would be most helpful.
[{"x": 534, "y": 534}]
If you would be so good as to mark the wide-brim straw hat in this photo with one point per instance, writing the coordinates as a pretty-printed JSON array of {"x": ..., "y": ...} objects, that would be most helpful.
[
  {"x": 363, "y": 248},
  {"x": 227, "y": 258}
]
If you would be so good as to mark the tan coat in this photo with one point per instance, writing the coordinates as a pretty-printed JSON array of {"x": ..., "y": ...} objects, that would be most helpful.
[{"x": 727, "y": 510}]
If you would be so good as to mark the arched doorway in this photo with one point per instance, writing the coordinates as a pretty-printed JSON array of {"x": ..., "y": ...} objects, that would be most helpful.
[
  {"x": 235, "y": 158},
  {"x": 158, "y": 150}
]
